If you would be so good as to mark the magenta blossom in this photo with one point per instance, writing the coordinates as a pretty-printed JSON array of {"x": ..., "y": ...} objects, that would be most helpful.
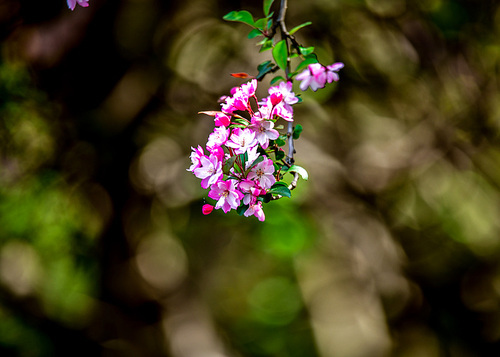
[
  {"x": 285, "y": 89},
  {"x": 256, "y": 210},
  {"x": 210, "y": 171},
  {"x": 263, "y": 173},
  {"x": 331, "y": 72},
  {"x": 227, "y": 196},
  {"x": 218, "y": 137},
  {"x": 264, "y": 131},
  {"x": 195, "y": 158},
  {"x": 222, "y": 119},
  {"x": 241, "y": 140},
  {"x": 207, "y": 209},
  {"x": 72, "y": 3},
  {"x": 314, "y": 76}
]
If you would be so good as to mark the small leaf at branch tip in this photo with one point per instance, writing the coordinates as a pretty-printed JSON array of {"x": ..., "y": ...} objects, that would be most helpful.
[
  {"x": 296, "y": 28},
  {"x": 241, "y": 16},
  {"x": 300, "y": 170}
]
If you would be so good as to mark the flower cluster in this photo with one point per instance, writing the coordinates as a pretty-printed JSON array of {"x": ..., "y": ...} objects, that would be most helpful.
[{"x": 244, "y": 164}]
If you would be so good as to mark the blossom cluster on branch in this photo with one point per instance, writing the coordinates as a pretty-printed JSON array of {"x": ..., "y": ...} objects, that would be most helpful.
[{"x": 245, "y": 164}]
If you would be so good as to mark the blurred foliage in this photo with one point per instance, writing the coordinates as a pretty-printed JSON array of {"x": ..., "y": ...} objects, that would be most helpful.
[{"x": 390, "y": 249}]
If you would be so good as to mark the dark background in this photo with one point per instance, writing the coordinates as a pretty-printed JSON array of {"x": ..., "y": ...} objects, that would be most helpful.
[{"x": 390, "y": 249}]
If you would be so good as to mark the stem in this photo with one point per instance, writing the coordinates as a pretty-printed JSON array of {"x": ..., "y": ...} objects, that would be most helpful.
[
  {"x": 286, "y": 36},
  {"x": 291, "y": 149}
]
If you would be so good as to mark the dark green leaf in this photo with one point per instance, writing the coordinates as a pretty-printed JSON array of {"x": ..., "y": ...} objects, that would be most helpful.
[
  {"x": 267, "y": 7},
  {"x": 279, "y": 154},
  {"x": 279, "y": 183},
  {"x": 281, "y": 190},
  {"x": 241, "y": 209},
  {"x": 296, "y": 28},
  {"x": 266, "y": 198},
  {"x": 280, "y": 54},
  {"x": 264, "y": 68},
  {"x": 296, "y": 131},
  {"x": 243, "y": 159},
  {"x": 240, "y": 16}
]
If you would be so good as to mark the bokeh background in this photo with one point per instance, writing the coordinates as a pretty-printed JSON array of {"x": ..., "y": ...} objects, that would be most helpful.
[{"x": 390, "y": 249}]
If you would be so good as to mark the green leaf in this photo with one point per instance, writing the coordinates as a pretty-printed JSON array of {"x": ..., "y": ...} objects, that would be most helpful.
[
  {"x": 279, "y": 183},
  {"x": 297, "y": 28},
  {"x": 280, "y": 154},
  {"x": 260, "y": 23},
  {"x": 267, "y": 7},
  {"x": 254, "y": 33},
  {"x": 264, "y": 68},
  {"x": 300, "y": 170},
  {"x": 281, "y": 190},
  {"x": 240, "y": 16},
  {"x": 306, "y": 50},
  {"x": 281, "y": 140},
  {"x": 241, "y": 209},
  {"x": 280, "y": 54},
  {"x": 266, "y": 198},
  {"x": 296, "y": 131},
  {"x": 277, "y": 79},
  {"x": 266, "y": 43},
  {"x": 228, "y": 164},
  {"x": 305, "y": 63}
]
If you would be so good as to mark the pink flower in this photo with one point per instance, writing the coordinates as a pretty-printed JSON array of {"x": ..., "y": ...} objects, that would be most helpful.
[
  {"x": 280, "y": 101},
  {"x": 263, "y": 173},
  {"x": 227, "y": 196},
  {"x": 210, "y": 171},
  {"x": 276, "y": 98},
  {"x": 222, "y": 119},
  {"x": 217, "y": 151},
  {"x": 72, "y": 3},
  {"x": 285, "y": 89},
  {"x": 218, "y": 137},
  {"x": 314, "y": 76},
  {"x": 249, "y": 88},
  {"x": 251, "y": 189},
  {"x": 331, "y": 70},
  {"x": 195, "y": 158},
  {"x": 242, "y": 140},
  {"x": 256, "y": 210},
  {"x": 264, "y": 131},
  {"x": 207, "y": 209}
]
